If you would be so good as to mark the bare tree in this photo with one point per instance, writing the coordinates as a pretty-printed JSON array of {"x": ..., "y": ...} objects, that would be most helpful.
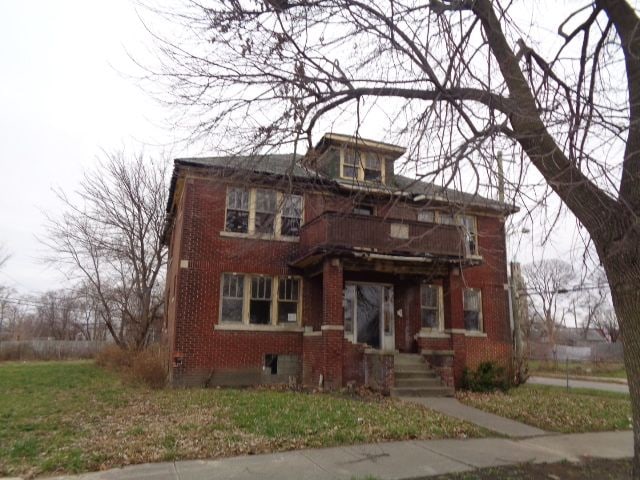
[
  {"x": 110, "y": 236},
  {"x": 546, "y": 282},
  {"x": 457, "y": 80},
  {"x": 4, "y": 255},
  {"x": 594, "y": 298},
  {"x": 606, "y": 323}
]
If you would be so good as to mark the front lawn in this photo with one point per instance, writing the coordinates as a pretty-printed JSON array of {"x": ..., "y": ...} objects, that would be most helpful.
[
  {"x": 73, "y": 416},
  {"x": 557, "y": 410},
  {"x": 605, "y": 370}
]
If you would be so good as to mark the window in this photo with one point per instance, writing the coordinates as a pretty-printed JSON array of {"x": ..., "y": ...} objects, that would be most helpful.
[
  {"x": 291, "y": 215},
  {"x": 363, "y": 210},
  {"x": 448, "y": 219},
  {"x": 351, "y": 164},
  {"x": 232, "y": 297},
  {"x": 288, "y": 294},
  {"x": 472, "y": 305},
  {"x": 260, "y": 302},
  {"x": 263, "y": 212},
  {"x": 372, "y": 168},
  {"x": 265, "y": 215},
  {"x": 430, "y": 306},
  {"x": 363, "y": 166},
  {"x": 428, "y": 216},
  {"x": 260, "y": 299},
  {"x": 349, "y": 305},
  {"x": 237, "y": 210},
  {"x": 469, "y": 224}
]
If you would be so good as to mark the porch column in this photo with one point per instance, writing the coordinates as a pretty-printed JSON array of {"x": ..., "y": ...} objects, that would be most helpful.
[
  {"x": 332, "y": 321},
  {"x": 454, "y": 315}
]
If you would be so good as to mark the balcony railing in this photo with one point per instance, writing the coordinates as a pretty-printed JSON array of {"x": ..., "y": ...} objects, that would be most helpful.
[{"x": 340, "y": 231}]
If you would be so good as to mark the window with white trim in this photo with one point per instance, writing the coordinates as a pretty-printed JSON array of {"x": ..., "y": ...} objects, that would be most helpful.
[
  {"x": 362, "y": 166},
  {"x": 470, "y": 226},
  {"x": 472, "y": 306},
  {"x": 447, "y": 219},
  {"x": 232, "y": 298},
  {"x": 291, "y": 215},
  {"x": 237, "y": 218},
  {"x": 263, "y": 212},
  {"x": 288, "y": 298},
  {"x": 430, "y": 307},
  {"x": 260, "y": 299}
]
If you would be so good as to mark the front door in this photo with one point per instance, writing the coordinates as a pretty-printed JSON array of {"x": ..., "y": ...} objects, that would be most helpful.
[{"x": 369, "y": 314}]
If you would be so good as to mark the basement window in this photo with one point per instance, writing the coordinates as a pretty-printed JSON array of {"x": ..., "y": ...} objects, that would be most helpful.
[{"x": 271, "y": 363}]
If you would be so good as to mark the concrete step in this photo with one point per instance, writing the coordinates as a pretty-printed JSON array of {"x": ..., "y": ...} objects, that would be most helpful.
[
  {"x": 412, "y": 369},
  {"x": 440, "y": 391},
  {"x": 408, "y": 360},
  {"x": 415, "y": 374},
  {"x": 418, "y": 382}
]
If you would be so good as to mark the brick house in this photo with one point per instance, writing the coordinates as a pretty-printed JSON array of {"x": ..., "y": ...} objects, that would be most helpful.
[{"x": 328, "y": 269}]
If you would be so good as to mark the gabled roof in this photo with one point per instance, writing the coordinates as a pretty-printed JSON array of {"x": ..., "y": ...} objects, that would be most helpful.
[{"x": 290, "y": 166}]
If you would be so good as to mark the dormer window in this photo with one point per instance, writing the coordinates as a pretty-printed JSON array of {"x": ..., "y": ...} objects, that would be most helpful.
[{"x": 362, "y": 166}]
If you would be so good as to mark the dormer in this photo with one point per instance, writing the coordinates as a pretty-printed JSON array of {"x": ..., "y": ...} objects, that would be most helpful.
[{"x": 354, "y": 159}]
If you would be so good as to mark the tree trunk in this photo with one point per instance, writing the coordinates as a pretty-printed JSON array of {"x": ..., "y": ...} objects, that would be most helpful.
[{"x": 624, "y": 280}]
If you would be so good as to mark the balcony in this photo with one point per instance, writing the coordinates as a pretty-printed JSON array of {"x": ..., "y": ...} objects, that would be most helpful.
[{"x": 333, "y": 233}]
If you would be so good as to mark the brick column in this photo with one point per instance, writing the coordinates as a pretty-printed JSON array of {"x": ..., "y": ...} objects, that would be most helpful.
[
  {"x": 332, "y": 322},
  {"x": 454, "y": 321}
]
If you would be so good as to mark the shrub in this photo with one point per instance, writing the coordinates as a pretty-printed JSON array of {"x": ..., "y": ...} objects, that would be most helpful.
[
  {"x": 150, "y": 367},
  {"x": 486, "y": 378},
  {"x": 115, "y": 358}
]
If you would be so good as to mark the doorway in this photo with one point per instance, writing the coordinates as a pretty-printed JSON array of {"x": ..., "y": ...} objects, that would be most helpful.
[{"x": 368, "y": 314}]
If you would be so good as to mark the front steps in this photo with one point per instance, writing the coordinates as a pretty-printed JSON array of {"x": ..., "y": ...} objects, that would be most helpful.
[{"x": 414, "y": 378}]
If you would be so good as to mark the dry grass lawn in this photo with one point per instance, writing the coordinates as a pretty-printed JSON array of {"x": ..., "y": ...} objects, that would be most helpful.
[{"x": 60, "y": 417}]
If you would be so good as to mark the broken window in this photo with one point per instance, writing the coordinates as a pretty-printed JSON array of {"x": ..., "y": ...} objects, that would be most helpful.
[
  {"x": 291, "y": 215},
  {"x": 232, "y": 296},
  {"x": 429, "y": 306},
  {"x": 260, "y": 301},
  {"x": 237, "y": 210},
  {"x": 363, "y": 210},
  {"x": 349, "y": 303},
  {"x": 266, "y": 208},
  {"x": 469, "y": 225},
  {"x": 373, "y": 168},
  {"x": 288, "y": 295},
  {"x": 271, "y": 363},
  {"x": 472, "y": 306}
]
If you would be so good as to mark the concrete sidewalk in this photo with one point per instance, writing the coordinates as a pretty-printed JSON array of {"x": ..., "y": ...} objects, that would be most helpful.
[
  {"x": 394, "y": 460},
  {"x": 562, "y": 382},
  {"x": 501, "y": 425}
]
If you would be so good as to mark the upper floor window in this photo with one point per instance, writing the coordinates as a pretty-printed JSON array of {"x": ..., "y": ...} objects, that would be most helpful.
[
  {"x": 430, "y": 307},
  {"x": 363, "y": 209},
  {"x": 472, "y": 306},
  {"x": 263, "y": 211},
  {"x": 470, "y": 226},
  {"x": 363, "y": 166},
  {"x": 237, "y": 210},
  {"x": 428, "y": 216},
  {"x": 448, "y": 219}
]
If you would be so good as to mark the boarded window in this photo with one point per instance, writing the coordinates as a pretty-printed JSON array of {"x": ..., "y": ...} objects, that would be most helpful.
[
  {"x": 429, "y": 303},
  {"x": 232, "y": 295},
  {"x": 472, "y": 306},
  {"x": 237, "y": 210},
  {"x": 266, "y": 208},
  {"x": 260, "y": 301},
  {"x": 399, "y": 230},
  {"x": 291, "y": 215},
  {"x": 288, "y": 297}
]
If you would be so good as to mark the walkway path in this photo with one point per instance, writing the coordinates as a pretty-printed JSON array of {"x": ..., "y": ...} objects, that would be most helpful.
[
  {"x": 453, "y": 408},
  {"x": 386, "y": 461},
  {"x": 561, "y": 382}
]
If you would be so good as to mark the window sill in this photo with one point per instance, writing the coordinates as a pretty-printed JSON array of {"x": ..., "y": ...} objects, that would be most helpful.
[
  {"x": 433, "y": 334},
  {"x": 243, "y": 327},
  {"x": 259, "y": 236},
  {"x": 467, "y": 333}
]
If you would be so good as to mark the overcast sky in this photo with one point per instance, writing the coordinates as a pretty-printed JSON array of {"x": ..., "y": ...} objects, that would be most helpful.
[{"x": 64, "y": 96}]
